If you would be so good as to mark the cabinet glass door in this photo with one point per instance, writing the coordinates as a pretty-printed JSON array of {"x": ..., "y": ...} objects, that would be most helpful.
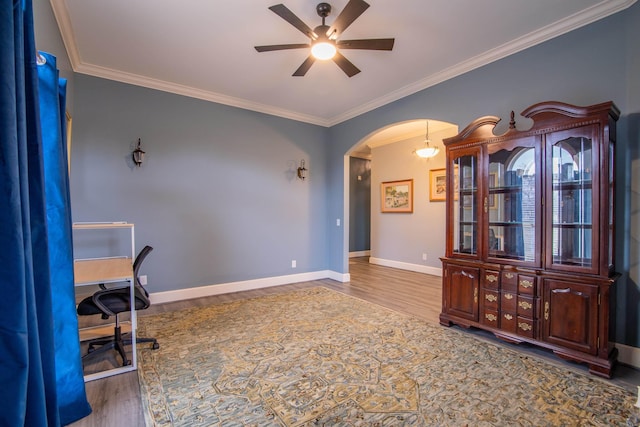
[
  {"x": 513, "y": 202},
  {"x": 465, "y": 201},
  {"x": 573, "y": 211}
]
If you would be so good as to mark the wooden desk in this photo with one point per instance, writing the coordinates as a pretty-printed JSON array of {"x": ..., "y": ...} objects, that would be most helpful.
[{"x": 92, "y": 271}]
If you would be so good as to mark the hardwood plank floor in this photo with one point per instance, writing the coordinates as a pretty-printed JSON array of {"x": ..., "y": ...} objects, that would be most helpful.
[{"x": 116, "y": 400}]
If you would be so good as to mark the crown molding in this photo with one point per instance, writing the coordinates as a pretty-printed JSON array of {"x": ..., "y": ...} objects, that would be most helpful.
[
  {"x": 151, "y": 83},
  {"x": 585, "y": 17}
]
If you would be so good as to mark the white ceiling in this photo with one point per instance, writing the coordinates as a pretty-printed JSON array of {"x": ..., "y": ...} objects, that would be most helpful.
[{"x": 205, "y": 48}]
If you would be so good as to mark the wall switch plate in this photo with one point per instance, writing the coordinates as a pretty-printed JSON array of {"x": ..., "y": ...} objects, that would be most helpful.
[
  {"x": 338, "y": 222},
  {"x": 293, "y": 263},
  {"x": 143, "y": 279},
  {"x": 424, "y": 257}
]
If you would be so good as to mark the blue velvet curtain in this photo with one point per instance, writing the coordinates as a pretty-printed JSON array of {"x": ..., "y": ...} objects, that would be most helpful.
[
  {"x": 72, "y": 403},
  {"x": 37, "y": 385}
]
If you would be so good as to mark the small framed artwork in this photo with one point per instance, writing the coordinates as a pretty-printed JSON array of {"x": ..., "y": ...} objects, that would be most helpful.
[
  {"x": 438, "y": 184},
  {"x": 69, "y": 129},
  {"x": 397, "y": 196}
]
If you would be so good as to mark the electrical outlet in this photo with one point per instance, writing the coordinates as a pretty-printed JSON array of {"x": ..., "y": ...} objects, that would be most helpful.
[
  {"x": 424, "y": 257},
  {"x": 293, "y": 263},
  {"x": 143, "y": 279}
]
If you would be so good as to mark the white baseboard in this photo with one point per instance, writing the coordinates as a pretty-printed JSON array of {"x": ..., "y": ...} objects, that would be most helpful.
[
  {"x": 628, "y": 355},
  {"x": 246, "y": 285},
  {"x": 358, "y": 254},
  {"x": 435, "y": 271}
]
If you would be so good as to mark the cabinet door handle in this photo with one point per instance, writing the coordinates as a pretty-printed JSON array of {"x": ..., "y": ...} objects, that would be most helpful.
[
  {"x": 524, "y": 326},
  {"x": 525, "y": 305},
  {"x": 508, "y": 296},
  {"x": 508, "y": 316},
  {"x": 546, "y": 310},
  {"x": 486, "y": 204},
  {"x": 509, "y": 275},
  {"x": 526, "y": 283},
  {"x": 491, "y": 278},
  {"x": 475, "y": 295},
  {"x": 491, "y": 317},
  {"x": 491, "y": 297}
]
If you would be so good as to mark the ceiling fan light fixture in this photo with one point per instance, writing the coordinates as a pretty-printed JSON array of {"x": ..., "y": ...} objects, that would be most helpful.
[
  {"x": 323, "y": 50},
  {"x": 324, "y": 38}
]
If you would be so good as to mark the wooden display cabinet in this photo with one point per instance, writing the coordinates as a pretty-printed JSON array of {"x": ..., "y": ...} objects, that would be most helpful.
[{"x": 530, "y": 226}]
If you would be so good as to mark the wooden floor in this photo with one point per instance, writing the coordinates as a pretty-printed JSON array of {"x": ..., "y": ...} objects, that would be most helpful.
[{"x": 116, "y": 400}]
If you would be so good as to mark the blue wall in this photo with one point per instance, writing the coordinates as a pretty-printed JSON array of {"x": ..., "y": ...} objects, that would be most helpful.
[
  {"x": 359, "y": 204},
  {"x": 217, "y": 197}
]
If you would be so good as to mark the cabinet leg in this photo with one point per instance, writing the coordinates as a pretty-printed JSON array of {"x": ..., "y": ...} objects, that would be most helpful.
[{"x": 445, "y": 322}]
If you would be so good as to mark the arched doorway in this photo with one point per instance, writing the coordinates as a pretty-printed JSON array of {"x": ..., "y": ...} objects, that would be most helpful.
[{"x": 401, "y": 240}]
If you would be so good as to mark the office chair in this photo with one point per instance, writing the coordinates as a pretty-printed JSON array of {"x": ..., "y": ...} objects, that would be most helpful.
[{"x": 113, "y": 301}]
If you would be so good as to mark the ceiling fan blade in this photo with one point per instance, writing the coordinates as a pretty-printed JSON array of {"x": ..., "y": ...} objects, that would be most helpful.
[
  {"x": 350, "y": 13},
  {"x": 273, "y": 47},
  {"x": 283, "y": 12},
  {"x": 369, "y": 44},
  {"x": 302, "y": 69},
  {"x": 346, "y": 65}
]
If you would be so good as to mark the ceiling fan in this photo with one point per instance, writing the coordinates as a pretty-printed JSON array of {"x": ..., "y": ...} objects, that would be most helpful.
[{"x": 324, "y": 39}]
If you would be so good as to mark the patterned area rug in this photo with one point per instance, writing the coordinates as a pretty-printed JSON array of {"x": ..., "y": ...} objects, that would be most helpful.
[{"x": 317, "y": 357}]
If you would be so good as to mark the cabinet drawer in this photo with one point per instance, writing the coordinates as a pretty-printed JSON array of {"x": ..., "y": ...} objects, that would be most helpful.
[
  {"x": 491, "y": 279},
  {"x": 508, "y": 301},
  {"x": 526, "y": 285},
  {"x": 509, "y": 281},
  {"x": 490, "y": 298},
  {"x": 490, "y": 317},
  {"x": 508, "y": 322},
  {"x": 526, "y": 327},
  {"x": 527, "y": 307}
]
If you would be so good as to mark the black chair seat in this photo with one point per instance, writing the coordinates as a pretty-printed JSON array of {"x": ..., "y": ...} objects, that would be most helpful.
[{"x": 117, "y": 302}]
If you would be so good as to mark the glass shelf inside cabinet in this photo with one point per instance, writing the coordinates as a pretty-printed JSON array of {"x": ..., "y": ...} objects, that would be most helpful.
[
  {"x": 572, "y": 210},
  {"x": 465, "y": 205},
  {"x": 512, "y": 204}
]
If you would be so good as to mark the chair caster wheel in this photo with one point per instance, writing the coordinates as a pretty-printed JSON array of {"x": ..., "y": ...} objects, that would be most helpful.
[{"x": 155, "y": 346}]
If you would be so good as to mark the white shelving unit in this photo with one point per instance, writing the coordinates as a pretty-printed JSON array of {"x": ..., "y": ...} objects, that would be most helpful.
[{"x": 109, "y": 269}]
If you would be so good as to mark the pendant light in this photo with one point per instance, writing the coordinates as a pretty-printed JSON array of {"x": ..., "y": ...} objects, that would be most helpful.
[{"x": 427, "y": 151}]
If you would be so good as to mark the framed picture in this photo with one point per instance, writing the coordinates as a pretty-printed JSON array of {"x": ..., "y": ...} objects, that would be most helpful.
[
  {"x": 397, "y": 196},
  {"x": 438, "y": 184},
  {"x": 69, "y": 129}
]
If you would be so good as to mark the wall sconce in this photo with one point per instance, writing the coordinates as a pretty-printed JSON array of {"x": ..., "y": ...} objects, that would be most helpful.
[
  {"x": 427, "y": 151},
  {"x": 302, "y": 171},
  {"x": 138, "y": 155}
]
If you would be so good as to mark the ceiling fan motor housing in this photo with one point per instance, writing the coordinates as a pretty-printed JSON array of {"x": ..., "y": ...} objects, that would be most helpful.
[{"x": 323, "y": 9}]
